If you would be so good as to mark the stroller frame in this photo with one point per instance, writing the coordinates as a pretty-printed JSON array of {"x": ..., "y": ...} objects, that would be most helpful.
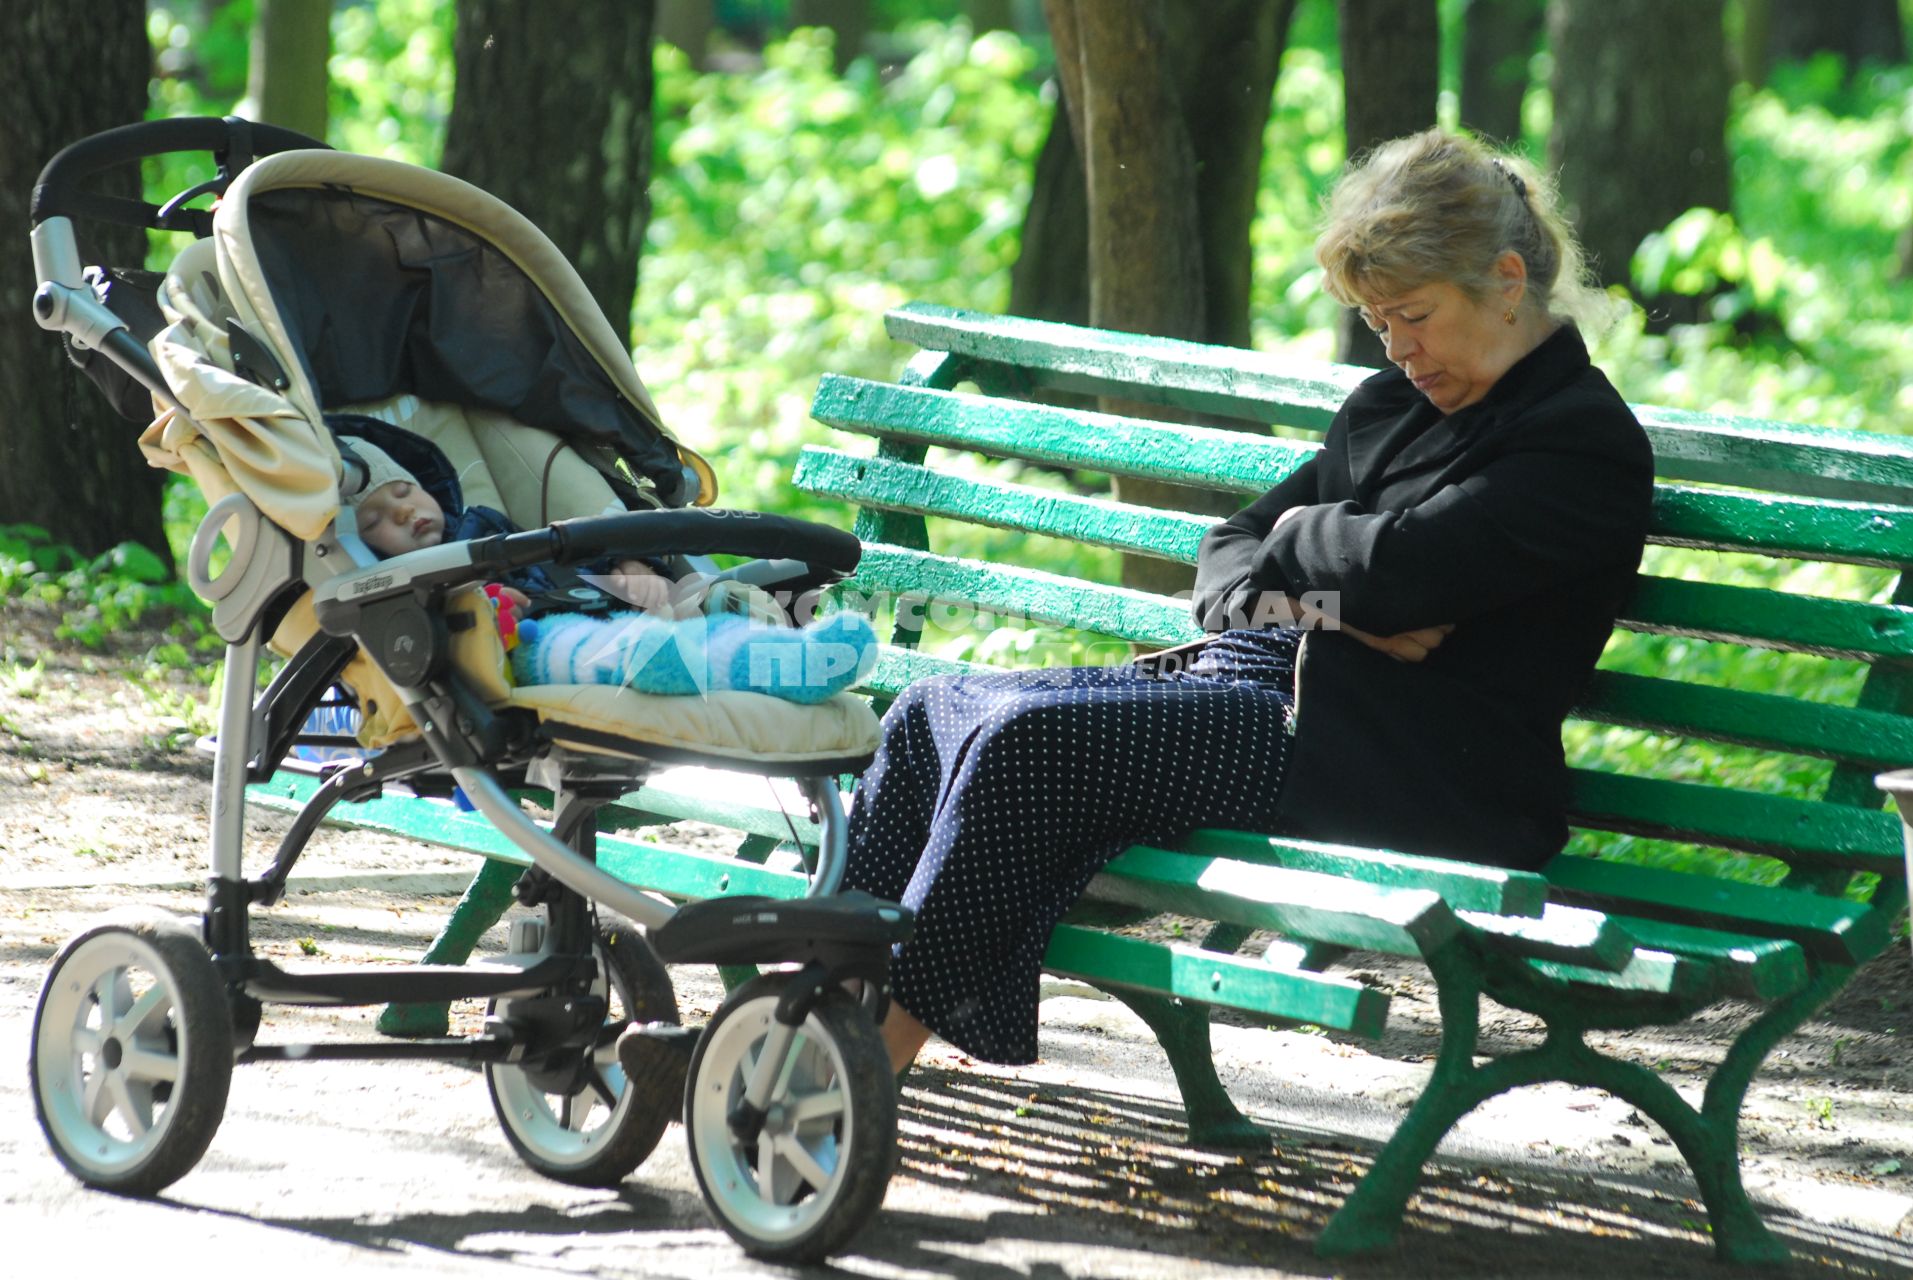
[{"x": 550, "y": 996}]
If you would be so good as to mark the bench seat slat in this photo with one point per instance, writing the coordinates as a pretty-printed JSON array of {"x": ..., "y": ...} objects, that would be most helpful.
[
  {"x": 1464, "y": 886},
  {"x": 1752, "y": 968},
  {"x": 1647, "y": 973},
  {"x": 1803, "y": 833},
  {"x": 1828, "y": 929},
  {"x": 1301, "y": 903},
  {"x": 1290, "y": 995},
  {"x": 1258, "y": 387},
  {"x": 1561, "y": 934}
]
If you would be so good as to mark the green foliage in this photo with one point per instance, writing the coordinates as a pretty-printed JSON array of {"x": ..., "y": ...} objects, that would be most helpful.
[
  {"x": 97, "y": 596},
  {"x": 791, "y": 207}
]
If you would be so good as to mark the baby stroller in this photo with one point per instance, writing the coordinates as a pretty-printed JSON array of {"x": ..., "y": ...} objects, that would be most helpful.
[{"x": 330, "y": 283}]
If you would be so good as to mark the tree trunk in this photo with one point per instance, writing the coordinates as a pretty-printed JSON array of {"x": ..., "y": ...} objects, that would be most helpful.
[
  {"x": 1640, "y": 119},
  {"x": 1224, "y": 70},
  {"x": 1498, "y": 41},
  {"x": 1756, "y": 35},
  {"x": 1391, "y": 72},
  {"x": 68, "y": 463},
  {"x": 1150, "y": 233},
  {"x": 1858, "y": 30},
  {"x": 990, "y": 15},
  {"x": 688, "y": 25},
  {"x": 848, "y": 21},
  {"x": 551, "y": 112},
  {"x": 291, "y": 40}
]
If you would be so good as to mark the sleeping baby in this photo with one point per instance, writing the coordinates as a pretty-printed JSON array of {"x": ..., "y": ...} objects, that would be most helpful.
[{"x": 643, "y": 645}]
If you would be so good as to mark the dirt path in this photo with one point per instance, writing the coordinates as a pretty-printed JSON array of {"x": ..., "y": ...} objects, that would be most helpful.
[{"x": 1073, "y": 1167}]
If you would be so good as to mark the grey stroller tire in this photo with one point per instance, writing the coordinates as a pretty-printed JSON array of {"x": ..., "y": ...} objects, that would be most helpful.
[
  {"x": 131, "y": 1053},
  {"x": 594, "y": 1135},
  {"x": 819, "y": 1170}
]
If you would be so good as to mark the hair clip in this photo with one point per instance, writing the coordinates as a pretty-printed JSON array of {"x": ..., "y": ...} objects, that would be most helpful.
[{"x": 1514, "y": 179}]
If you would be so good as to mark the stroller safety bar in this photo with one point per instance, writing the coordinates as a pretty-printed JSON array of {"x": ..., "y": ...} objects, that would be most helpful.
[{"x": 706, "y": 531}]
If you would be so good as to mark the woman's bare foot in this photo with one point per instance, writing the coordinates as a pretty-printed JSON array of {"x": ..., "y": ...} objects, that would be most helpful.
[{"x": 902, "y": 1035}]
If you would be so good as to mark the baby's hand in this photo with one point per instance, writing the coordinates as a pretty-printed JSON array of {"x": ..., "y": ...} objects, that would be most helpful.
[{"x": 638, "y": 585}]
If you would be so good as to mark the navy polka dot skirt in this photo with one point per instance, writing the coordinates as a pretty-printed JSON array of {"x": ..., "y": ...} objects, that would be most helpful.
[{"x": 995, "y": 799}]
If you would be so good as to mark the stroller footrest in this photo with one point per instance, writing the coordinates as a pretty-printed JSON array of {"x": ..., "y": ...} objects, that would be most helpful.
[{"x": 752, "y": 929}]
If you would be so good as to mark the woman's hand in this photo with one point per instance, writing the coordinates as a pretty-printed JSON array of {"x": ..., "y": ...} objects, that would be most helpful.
[
  {"x": 1408, "y": 646},
  {"x": 638, "y": 585}
]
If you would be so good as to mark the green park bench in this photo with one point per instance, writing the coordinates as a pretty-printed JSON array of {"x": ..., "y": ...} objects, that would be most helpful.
[{"x": 1722, "y": 893}]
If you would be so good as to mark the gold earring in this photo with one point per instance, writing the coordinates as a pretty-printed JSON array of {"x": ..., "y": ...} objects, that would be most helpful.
[{"x": 1508, "y": 316}]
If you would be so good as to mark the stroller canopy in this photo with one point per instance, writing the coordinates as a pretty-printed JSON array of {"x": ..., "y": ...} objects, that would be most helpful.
[{"x": 364, "y": 279}]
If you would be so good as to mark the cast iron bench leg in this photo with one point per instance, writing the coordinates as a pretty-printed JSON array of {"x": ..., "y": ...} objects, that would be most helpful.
[
  {"x": 486, "y": 900},
  {"x": 1183, "y": 1031}
]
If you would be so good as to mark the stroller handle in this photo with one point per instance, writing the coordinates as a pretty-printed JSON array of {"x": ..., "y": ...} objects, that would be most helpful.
[
  {"x": 234, "y": 143},
  {"x": 704, "y": 531}
]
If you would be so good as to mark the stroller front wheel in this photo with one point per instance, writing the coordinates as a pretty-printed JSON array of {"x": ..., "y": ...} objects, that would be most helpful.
[
  {"x": 132, "y": 1053},
  {"x": 817, "y": 1169},
  {"x": 595, "y": 1125}
]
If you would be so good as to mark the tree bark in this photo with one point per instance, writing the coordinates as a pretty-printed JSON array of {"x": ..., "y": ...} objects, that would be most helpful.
[
  {"x": 1858, "y": 30},
  {"x": 1145, "y": 226},
  {"x": 287, "y": 82},
  {"x": 1640, "y": 119},
  {"x": 688, "y": 25},
  {"x": 1498, "y": 41},
  {"x": 1224, "y": 71},
  {"x": 68, "y": 463},
  {"x": 990, "y": 15},
  {"x": 551, "y": 112},
  {"x": 848, "y": 21},
  {"x": 1391, "y": 72}
]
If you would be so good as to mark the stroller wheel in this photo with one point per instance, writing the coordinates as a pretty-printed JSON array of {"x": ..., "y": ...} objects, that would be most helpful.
[
  {"x": 132, "y": 1053},
  {"x": 817, "y": 1170},
  {"x": 583, "y": 1121}
]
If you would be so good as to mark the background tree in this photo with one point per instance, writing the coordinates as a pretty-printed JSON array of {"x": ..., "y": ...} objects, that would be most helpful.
[
  {"x": 1223, "y": 74},
  {"x": 1391, "y": 74},
  {"x": 1498, "y": 41},
  {"x": 1143, "y": 224},
  {"x": 551, "y": 113},
  {"x": 847, "y": 20},
  {"x": 286, "y": 85},
  {"x": 1640, "y": 119},
  {"x": 1858, "y": 30},
  {"x": 68, "y": 463},
  {"x": 688, "y": 25}
]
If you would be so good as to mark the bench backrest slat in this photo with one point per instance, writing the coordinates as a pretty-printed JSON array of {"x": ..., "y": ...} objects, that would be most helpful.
[
  {"x": 1215, "y": 458},
  {"x": 1744, "y": 615},
  {"x": 1781, "y": 457}
]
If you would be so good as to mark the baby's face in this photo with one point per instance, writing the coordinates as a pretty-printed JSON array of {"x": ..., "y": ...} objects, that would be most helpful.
[{"x": 400, "y": 517}]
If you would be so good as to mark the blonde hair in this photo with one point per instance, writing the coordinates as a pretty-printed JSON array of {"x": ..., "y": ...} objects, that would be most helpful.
[{"x": 1434, "y": 206}]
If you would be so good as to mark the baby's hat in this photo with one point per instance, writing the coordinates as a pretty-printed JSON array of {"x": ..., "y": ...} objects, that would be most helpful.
[{"x": 380, "y": 471}]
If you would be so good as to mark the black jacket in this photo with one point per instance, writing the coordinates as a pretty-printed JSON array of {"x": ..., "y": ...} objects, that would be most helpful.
[{"x": 1521, "y": 520}]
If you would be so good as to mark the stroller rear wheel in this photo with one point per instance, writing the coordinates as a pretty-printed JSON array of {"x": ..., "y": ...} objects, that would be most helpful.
[
  {"x": 575, "y": 1116},
  {"x": 132, "y": 1053},
  {"x": 817, "y": 1169}
]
